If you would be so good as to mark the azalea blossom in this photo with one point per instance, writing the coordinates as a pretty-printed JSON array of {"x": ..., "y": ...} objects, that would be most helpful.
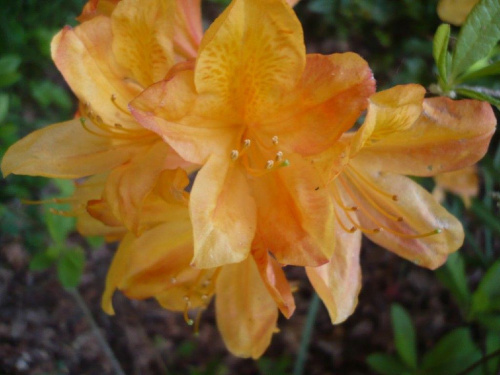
[
  {"x": 463, "y": 182},
  {"x": 251, "y": 111},
  {"x": 403, "y": 134},
  {"x": 120, "y": 48}
]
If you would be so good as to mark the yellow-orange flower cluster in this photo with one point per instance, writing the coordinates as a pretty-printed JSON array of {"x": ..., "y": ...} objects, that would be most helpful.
[{"x": 280, "y": 178}]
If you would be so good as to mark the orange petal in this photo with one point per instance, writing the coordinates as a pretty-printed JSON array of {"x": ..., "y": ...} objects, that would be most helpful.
[
  {"x": 94, "y": 8},
  {"x": 84, "y": 52},
  {"x": 390, "y": 111},
  {"x": 455, "y": 11},
  {"x": 245, "y": 67},
  {"x": 331, "y": 95},
  {"x": 463, "y": 182},
  {"x": 409, "y": 220},
  {"x": 125, "y": 196},
  {"x": 223, "y": 213},
  {"x": 338, "y": 282},
  {"x": 275, "y": 280},
  {"x": 148, "y": 265},
  {"x": 188, "y": 28},
  {"x": 246, "y": 313},
  {"x": 142, "y": 38},
  {"x": 448, "y": 135},
  {"x": 296, "y": 216},
  {"x": 66, "y": 150},
  {"x": 169, "y": 109}
]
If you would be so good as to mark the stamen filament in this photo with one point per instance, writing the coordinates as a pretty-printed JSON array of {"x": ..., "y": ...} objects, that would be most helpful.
[
  {"x": 119, "y": 107},
  {"x": 394, "y": 197}
]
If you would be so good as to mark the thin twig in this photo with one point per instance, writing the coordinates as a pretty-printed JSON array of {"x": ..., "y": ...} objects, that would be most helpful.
[
  {"x": 97, "y": 332},
  {"x": 485, "y": 359},
  {"x": 306, "y": 336}
]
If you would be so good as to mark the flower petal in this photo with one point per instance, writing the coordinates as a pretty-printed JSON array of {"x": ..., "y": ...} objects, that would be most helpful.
[
  {"x": 84, "y": 52},
  {"x": 245, "y": 67},
  {"x": 296, "y": 216},
  {"x": 66, "y": 150},
  {"x": 188, "y": 28},
  {"x": 142, "y": 38},
  {"x": 390, "y": 111},
  {"x": 400, "y": 215},
  {"x": 223, "y": 214},
  {"x": 448, "y": 135},
  {"x": 246, "y": 313},
  {"x": 94, "y": 8},
  {"x": 331, "y": 95},
  {"x": 145, "y": 266},
  {"x": 338, "y": 282},
  {"x": 275, "y": 280},
  {"x": 463, "y": 182},
  {"x": 169, "y": 108}
]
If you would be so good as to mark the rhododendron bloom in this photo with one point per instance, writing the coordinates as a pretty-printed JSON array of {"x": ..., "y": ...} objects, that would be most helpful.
[
  {"x": 463, "y": 182},
  {"x": 403, "y": 134},
  {"x": 120, "y": 48},
  {"x": 254, "y": 107}
]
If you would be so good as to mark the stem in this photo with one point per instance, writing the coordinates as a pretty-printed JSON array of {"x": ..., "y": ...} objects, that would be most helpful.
[
  {"x": 480, "y": 362},
  {"x": 97, "y": 332},
  {"x": 298, "y": 368}
]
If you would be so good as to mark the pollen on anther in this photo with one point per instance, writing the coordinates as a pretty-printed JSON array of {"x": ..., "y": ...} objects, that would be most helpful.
[
  {"x": 275, "y": 140},
  {"x": 247, "y": 143},
  {"x": 270, "y": 164},
  {"x": 395, "y": 198},
  {"x": 234, "y": 154},
  {"x": 186, "y": 298},
  {"x": 279, "y": 156},
  {"x": 204, "y": 297},
  {"x": 173, "y": 280}
]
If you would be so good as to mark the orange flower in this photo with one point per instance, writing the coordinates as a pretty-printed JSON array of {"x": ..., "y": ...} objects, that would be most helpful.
[
  {"x": 455, "y": 11},
  {"x": 251, "y": 111},
  {"x": 118, "y": 50},
  {"x": 464, "y": 183},
  {"x": 403, "y": 134}
]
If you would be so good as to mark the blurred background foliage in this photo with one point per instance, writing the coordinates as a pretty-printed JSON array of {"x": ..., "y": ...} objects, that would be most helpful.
[{"x": 395, "y": 37}]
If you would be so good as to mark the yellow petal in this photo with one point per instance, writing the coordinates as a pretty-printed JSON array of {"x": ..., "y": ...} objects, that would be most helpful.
[
  {"x": 400, "y": 215},
  {"x": 328, "y": 100},
  {"x": 94, "y": 8},
  {"x": 142, "y": 38},
  {"x": 448, "y": 135},
  {"x": 148, "y": 265},
  {"x": 125, "y": 196},
  {"x": 245, "y": 67},
  {"x": 295, "y": 214},
  {"x": 188, "y": 28},
  {"x": 275, "y": 280},
  {"x": 455, "y": 11},
  {"x": 463, "y": 182},
  {"x": 338, "y": 282},
  {"x": 84, "y": 57},
  {"x": 170, "y": 109},
  {"x": 66, "y": 150},
  {"x": 223, "y": 214},
  {"x": 389, "y": 112},
  {"x": 246, "y": 313}
]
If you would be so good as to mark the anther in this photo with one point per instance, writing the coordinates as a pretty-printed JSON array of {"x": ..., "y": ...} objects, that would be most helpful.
[
  {"x": 270, "y": 164},
  {"x": 173, "y": 280},
  {"x": 234, "y": 154},
  {"x": 279, "y": 156},
  {"x": 247, "y": 143},
  {"x": 395, "y": 198},
  {"x": 118, "y": 126},
  {"x": 204, "y": 297},
  {"x": 186, "y": 298},
  {"x": 275, "y": 140}
]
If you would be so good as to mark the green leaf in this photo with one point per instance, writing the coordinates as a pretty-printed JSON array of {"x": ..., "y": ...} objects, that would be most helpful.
[
  {"x": 41, "y": 261},
  {"x": 95, "y": 241},
  {"x": 477, "y": 37},
  {"x": 4, "y": 106},
  {"x": 479, "y": 95},
  {"x": 489, "y": 321},
  {"x": 386, "y": 364},
  {"x": 70, "y": 267},
  {"x": 440, "y": 50},
  {"x": 493, "y": 345},
  {"x": 404, "y": 335},
  {"x": 488, "y": 290},
  {"x": 452, "y": 275},
  {"x": 59, "y": 226},
  {"x": 489, "y": 70},
  {"x": 452, "y": 354},
  {"x": 8, "y": 70}
]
